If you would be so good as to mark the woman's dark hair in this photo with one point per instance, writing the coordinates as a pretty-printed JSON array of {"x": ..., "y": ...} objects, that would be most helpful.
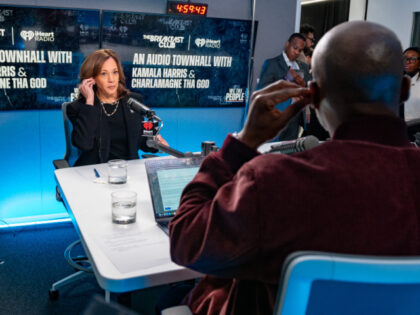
[{"x": 92, "y": 66}]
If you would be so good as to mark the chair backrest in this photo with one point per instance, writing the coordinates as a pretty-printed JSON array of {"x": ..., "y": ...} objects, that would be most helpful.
[
  {"x": 328, "y": 283},
  {"x": 72, "y": 153}
]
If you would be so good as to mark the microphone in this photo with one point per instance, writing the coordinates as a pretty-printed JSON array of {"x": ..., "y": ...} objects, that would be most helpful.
[
  {"x": 141, "y": 108},
  {"x": 298, "y": 145}
]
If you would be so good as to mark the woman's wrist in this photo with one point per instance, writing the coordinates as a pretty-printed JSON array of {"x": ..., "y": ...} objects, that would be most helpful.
[{"x": 89, "y": 101}]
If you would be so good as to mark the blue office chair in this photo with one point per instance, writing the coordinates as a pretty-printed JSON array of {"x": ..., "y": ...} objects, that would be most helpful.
[
  {"x": 79, "y": 263},
  {"x": 72, "y": 153},
  {"x": 328, "y": 283}
]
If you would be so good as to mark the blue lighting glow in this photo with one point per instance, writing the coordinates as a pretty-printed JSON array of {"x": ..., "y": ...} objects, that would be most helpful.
[
  {"x": 29, "y": 224},
  {"x": 31, "y": 139}
]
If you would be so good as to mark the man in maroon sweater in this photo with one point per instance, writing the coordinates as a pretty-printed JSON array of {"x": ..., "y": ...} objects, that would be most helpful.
[{"x": 245, "y": 212}]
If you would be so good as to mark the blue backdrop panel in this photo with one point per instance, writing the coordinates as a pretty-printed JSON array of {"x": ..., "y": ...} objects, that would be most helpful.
[
  {"x": 177, "y": 61},
  {"x": 20, "y": 160},
  {"x": 185, "y": 129},
  {"x": 52, "y": 147},
  {"x": 30, "y": 140}
]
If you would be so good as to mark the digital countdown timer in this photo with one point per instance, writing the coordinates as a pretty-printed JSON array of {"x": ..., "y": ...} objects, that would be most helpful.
[{"x": 183, "y": 8}]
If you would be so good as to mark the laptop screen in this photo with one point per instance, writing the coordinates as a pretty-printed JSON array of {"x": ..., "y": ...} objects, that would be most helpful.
[{"x": 167, "y": 179}]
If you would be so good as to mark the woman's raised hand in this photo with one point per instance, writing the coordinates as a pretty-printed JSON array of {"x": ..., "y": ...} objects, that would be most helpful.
[{"x": 86, "y": 89}]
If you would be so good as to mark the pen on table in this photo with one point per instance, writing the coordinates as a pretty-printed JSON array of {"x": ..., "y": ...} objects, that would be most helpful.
[{"x": 96, "y": 173}]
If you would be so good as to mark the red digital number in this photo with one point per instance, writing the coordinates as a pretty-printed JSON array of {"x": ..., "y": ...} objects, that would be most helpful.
[
  {"x": 203, "y": 10},
  {"x": 191, "y": 9}
]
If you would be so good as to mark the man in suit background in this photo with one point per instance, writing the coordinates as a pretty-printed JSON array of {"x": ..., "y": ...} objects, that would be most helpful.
[
  {"x": 308, "y": 31},
  {"x": 286, "y": 67}
]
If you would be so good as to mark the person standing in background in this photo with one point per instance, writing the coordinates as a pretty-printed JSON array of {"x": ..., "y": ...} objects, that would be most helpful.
[
  {"x": 308, "y": 31},
  {"x": 312, "y": 125},
  {"x": 308, "y": 56},
  {"x": 412, "y": 69},
  {"x": 286, "y": 67}
]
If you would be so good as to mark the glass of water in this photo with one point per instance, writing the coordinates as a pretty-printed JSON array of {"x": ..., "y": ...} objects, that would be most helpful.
[
  {"x": 124, "y": 206},
  {"x": 117, "y": 172}
]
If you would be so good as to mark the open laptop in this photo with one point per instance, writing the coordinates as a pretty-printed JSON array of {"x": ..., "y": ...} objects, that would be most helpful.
[{"x": 167, "y": 178}]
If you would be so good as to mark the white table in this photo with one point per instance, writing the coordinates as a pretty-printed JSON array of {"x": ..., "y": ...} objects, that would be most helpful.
[{"x": 124, "y": 257}]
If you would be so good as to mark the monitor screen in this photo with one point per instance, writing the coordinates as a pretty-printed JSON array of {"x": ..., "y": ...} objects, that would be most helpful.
[
  {"x": 41, "y": 51},
  {"x": 181, "y": 61},
  {"x": 172, "y": 183}
]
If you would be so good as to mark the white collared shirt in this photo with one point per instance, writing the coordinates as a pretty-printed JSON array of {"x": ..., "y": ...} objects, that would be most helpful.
[
  {"x": 289, "y": 63},
  {"x": 412, "y": 105}
]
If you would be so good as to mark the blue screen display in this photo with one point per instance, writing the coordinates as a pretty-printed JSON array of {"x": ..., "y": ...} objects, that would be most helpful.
[
  {"x": 173, "y": 61},
  {"x": 178, "y": 61},
  {"x": 41, "y": 51}
]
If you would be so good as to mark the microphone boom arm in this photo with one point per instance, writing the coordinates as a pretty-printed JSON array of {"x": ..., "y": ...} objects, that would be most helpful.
[{"x": 152, "y": 143}]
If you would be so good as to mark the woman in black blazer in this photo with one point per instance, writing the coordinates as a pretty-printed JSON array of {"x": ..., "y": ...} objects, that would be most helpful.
[{"x": 104, "y": 127}]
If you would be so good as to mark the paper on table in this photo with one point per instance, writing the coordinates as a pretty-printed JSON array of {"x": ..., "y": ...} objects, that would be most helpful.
[{"x": 131, "y": 250}]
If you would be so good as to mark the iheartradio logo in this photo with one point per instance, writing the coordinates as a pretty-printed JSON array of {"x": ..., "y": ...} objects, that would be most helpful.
[
  {"x": 148, "y": 125},
  {"x": 208, "y": 43},
  {"x": 27, "y": 35},
  {"x": 200, "y": 42},
  {"x": 38, "y": 36}
]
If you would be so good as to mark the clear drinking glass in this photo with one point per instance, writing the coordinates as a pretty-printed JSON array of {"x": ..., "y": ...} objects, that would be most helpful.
[
  {"x": 124, "y": 206},
  {"x": 117, "y": 171}
]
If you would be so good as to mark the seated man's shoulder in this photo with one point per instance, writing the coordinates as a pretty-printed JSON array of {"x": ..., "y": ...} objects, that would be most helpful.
[
  {"x": 321, "y": 155},
  {"x": 281, "y": 160}
]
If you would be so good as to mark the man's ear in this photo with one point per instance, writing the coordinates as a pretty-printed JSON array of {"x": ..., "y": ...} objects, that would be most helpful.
[
  {"x": 315, "y": 93},
  {"x": 405, "y": 88}
]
